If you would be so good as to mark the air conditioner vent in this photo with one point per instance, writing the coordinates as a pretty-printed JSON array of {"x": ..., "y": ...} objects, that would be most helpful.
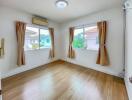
[{"x": 39, "y": 21}]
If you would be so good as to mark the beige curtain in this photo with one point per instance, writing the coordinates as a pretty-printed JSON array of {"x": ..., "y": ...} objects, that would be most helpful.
[
  {"x": 52, "y": 50},
  {"x": 20, "y": 33},
  {"x": 2, "y": 47},
  {"x": 71, "y": 52},
  {"x": 102, "y": 58}
]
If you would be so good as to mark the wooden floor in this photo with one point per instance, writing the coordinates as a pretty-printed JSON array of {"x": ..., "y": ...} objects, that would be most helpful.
[{"x": 63, "y": 81}]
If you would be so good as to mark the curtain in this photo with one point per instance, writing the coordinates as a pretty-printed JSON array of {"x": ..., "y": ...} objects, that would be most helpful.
[
  {"x": 102, "y": 58},
  {"x": 20, "y": 33},
  {"x": 2, "y": 47},
  {"x": 52, "y": 50},
  {"x": 71, "y": 52}
]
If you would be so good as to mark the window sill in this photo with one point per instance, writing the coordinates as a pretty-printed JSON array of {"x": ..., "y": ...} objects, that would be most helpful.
[
  {"x": 85, "y": 49},
  {"x": 37, "y": 49}
]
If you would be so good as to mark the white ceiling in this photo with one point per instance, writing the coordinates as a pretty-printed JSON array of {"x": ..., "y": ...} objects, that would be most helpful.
[{"x": 47, "y": 8}]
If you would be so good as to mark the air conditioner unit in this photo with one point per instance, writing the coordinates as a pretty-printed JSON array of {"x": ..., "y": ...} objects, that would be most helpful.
[{"x": 39, "y": 21}]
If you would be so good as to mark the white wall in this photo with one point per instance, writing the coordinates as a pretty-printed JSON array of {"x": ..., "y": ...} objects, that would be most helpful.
[
  {"x": 128, "y": 52},
  {"x": 35, "y": 58},
  {"x": 115, "y": 41}
]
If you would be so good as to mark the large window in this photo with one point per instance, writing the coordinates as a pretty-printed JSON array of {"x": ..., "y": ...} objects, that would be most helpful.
[
  {"x": 37, "y": 38},
  {"x": 86, "y": 37}
]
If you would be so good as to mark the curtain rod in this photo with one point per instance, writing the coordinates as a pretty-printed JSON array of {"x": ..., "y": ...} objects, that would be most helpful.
[
  {"x": 37, "y": 26},
  {"x": 89, "y": 24},
  {"x": 83, "y": 25}
]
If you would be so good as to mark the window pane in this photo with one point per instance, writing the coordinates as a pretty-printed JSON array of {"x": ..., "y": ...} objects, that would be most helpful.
[
  {"x": 45, "y": 41},
  {"x": 31, "y": 38},
  {"x": 78, "y": 41},
  {"x": 91, "y": 38}
]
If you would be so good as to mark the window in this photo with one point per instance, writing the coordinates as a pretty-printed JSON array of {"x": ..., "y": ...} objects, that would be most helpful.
[
  {"x": 78, "y": 39},
  {"x": 37, "y": 38},
  {"x": 86, "y": 37},
  {"x": 45, "y": 41}
]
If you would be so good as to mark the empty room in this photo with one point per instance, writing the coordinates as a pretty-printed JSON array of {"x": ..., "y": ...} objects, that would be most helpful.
[{"x": 65, "y": 49}]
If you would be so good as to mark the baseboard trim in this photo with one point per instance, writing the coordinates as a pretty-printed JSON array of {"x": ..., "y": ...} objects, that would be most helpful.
[
  {"x": 128, "y": 92},
  {"x": 93, "y": 68},
  {"x": 23, "y": 69},
  {"x": 20, "y": 70}
]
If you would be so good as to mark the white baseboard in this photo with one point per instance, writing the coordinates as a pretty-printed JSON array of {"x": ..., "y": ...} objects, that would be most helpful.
[
  {"x": 22, "y": 69},
  {"x": 97, "y": 69},
  {"x": 128, "y": 91}
]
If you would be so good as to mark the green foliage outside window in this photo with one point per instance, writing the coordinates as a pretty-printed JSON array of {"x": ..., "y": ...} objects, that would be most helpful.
[
  {"x": 35, "y": 46},
  {"x": 78, "y": 41},
  {"x": 45, "y": 41}
]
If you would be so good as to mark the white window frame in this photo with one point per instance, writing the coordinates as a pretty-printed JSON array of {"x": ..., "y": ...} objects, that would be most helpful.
[
  {"x": 83, "y": 27},
  {"x": 39, "y": 27}
]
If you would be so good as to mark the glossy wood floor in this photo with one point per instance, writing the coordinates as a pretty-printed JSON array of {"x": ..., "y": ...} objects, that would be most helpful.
[{"x": 63, "y": 81}]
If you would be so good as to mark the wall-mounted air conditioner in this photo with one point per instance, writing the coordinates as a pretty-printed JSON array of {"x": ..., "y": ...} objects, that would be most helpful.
[{"x": 39, "y": 21}]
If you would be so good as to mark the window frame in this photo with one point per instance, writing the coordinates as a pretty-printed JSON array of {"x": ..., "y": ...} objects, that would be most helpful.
[
  {"x": 39, "y": 28},
  {"x": 83, "y": 27}
]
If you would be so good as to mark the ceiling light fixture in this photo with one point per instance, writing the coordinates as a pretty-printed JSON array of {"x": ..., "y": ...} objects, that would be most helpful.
[{"x": 61, "y": 4}]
